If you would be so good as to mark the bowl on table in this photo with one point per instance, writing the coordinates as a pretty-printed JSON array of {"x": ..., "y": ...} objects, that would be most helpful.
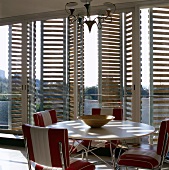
[{"x": 96, "y": 121}]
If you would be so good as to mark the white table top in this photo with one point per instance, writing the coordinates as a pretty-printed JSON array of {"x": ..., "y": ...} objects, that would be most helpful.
[{"x": 114, "y": 130}]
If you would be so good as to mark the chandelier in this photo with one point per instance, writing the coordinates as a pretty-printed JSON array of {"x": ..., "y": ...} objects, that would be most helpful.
[{"x": 69, "y": 8}]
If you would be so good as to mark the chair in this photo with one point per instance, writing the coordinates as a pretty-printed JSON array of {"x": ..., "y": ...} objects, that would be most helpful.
[
  {"x": 53, "y": 152},
  {"x": 49, "y": 117},
  {"x": 118, "y": 114},
  {"x": 45, "y": 118},
  {"x": 148, "y": 158}
]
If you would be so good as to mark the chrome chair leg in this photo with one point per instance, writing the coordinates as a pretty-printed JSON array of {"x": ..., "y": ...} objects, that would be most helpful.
[
  {"x": 82, "y": 155},
  {"x": 86, "y": 156}
]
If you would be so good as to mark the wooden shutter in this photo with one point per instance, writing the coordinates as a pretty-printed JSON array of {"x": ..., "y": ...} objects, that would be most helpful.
[
  {"x": 71, "y": 68},
  {"x": 110, "y": 63},
  {"x": 159, "y": 58},
  {"x": 31, "y": 69},
  {"x": 15, "y": 73},
  {"x": 80, "y": 61},
  {"x": 128, "y": 65},
  {"x": 80, "y": 68},
  {"x": 53, "y": 66},
  {"x": 15, "y": 61}
]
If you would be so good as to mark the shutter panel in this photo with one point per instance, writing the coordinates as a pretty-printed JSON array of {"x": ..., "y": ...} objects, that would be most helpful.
[
  {"x": 15, "y": 59},
  {"x": 128, "y": 65},
  {"x": 71, "y": 68},
  {"x": 80, "y": 48},
  {"x": 15, "y": 72},
  {"x": 160, "y": 60},
  {"x": 31, "y": 71},
  {"x": 53, "y": 68},
  {"x": 110, "y": 71},
  {"x": 80, "y": 68}
]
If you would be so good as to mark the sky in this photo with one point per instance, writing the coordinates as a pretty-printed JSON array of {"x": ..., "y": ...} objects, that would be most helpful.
[
  {"x": 91, "y": 56},
  {"x": 145, "y": 49},
  {"x": 4, "y": 49}
]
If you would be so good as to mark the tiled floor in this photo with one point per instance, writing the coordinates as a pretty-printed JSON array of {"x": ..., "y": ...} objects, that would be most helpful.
[{"x": 14, "y": 158}]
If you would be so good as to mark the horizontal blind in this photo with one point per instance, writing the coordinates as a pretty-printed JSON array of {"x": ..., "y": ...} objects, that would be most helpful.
[
  {"x": 31, "y": 71},
  {"x": 14, "y": 70},
  {"x": 128, "y": 64},
  {"x": 80, "y": 68},
  {"x": 53, "y": 69},
  {"x": 80, "y": 62},
  {"x": 111, "y": 63},
  {"x": 71, "y": 68},
  {"x": 160, "y": 32}
]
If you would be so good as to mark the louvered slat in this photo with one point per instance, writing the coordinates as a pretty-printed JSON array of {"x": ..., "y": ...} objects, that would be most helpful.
[
  {"x": 15, "y": 74},
  {"x": 160, "y": 69},
  {"x": 53, "y": 85},
  {"x": 80, "y": 68},
  {"x": 111, "y": 62}
]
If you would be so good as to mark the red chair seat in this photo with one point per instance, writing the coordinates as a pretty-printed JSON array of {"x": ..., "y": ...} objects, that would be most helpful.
[
  {"x": 148, "y": 158},
  {"x": 81, "y": 165},
  {"x": 139, "y": 157}
]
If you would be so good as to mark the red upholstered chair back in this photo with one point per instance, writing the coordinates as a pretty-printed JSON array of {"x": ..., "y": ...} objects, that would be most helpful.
[
  {"x": 45, "y": 118},
  {"x": 47, "y": 152},
  {"x": 116, "y": 112},
  {"x": 163, "y": 137}
]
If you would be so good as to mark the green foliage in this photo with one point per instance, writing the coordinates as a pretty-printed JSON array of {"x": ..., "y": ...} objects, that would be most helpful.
[
  {"x": 4, "y": 98},
  {"x": 38, "y": 107},
  {"x": 91, "y": 93},
  {"x": 3, "y": 89},
  {"x": 145, "y": 92}
]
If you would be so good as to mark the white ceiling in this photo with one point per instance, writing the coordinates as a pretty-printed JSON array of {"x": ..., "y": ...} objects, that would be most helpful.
[
  {"x": 13, "y": 8},
  {"x": 9, "y": 8}
]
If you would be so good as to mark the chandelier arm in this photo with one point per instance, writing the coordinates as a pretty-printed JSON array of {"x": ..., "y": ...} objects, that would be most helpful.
[
  {"x": 95, "y": 18},
  {"x": 108, "y": 14},
  {"x": 71, "y": 13},
  {"x": 114, "y": 8},
  {"x": 99, "y": 25},
  {"x": 87, "y": 6},
  {"x": 66, "y": 9},
  {"x": 87, "y": 20}
]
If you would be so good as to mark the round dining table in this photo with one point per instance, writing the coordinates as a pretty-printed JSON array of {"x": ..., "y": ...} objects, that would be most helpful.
[{"x": 114, "y": 130}]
